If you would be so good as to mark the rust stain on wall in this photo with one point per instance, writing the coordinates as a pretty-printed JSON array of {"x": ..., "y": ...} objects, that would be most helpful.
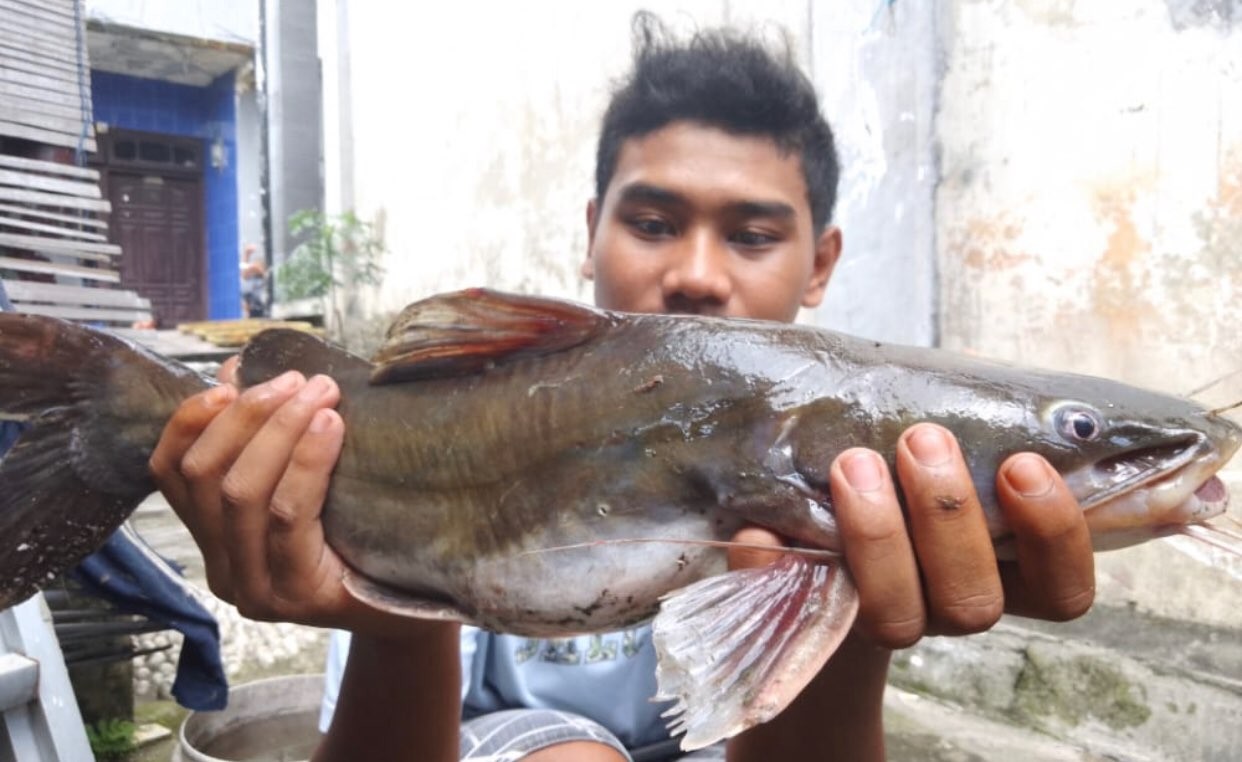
[
  {"x": 1228, "y": 201},
  {"x": 987, "y": 243},
  {"x": 1120, "y": 278}
]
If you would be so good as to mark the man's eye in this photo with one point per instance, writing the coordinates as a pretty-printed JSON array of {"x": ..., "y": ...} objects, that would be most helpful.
[
  {"x": 651, "y": 227},
  {"x": 753, "y": 239}
]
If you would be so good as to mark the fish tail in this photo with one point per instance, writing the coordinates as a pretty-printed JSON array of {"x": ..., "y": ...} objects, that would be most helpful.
[{"x": 90, "y": 407}]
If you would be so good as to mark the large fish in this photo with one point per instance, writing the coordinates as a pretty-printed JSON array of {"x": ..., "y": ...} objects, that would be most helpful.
[{"x": 543, "y": 468}]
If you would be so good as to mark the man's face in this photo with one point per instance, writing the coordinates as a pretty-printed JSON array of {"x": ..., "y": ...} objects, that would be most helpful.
[{"x": 696, "y": 220}]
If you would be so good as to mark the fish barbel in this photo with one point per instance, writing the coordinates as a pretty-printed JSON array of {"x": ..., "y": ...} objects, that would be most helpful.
[{"x": 544, "y": 468}]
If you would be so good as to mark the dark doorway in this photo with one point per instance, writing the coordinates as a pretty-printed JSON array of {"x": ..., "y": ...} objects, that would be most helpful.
[{"x": 155, "y": 185}]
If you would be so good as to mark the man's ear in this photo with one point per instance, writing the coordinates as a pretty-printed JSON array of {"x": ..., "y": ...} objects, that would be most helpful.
[
  {"x": 588, "y": 265},
  {"x": 827, "y": 252}
]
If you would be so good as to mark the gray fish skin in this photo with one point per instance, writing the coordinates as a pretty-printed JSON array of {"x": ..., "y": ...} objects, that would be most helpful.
[
  {"x": 499, "y": 494},
  {"x": 546, "y": 493}
]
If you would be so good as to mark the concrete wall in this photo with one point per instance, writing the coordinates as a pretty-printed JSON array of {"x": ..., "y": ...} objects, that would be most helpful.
[
  {"x": 470, "y": 132},
  {"x": 479, "y": 173},
  {"x": 876, "y": 66},
  {"x": 294, "y": 115},
  {"x": 1053, "y": 181},
  {"x": 1089, "y": 214}
]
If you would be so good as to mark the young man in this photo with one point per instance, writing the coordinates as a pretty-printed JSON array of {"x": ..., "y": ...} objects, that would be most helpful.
[{"x": 715, "y": 181}]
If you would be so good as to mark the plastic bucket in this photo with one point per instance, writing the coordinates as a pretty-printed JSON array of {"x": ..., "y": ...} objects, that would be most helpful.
[{"x": 273, "y": 720}]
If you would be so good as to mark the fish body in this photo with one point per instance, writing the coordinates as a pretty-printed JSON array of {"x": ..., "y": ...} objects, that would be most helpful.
[{"x": 543, "y": 468}]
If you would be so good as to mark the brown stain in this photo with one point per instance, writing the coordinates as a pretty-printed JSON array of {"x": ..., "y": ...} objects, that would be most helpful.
[
  {"x": 987, "y": 243},
  {"x": 1228, "y": 201},
  {"x": 983, "y": 247},
  {"x": 1119, "y": 280}
]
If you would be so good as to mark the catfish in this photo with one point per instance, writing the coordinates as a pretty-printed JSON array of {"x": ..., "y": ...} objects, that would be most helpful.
[{"x": 543, "y": 468}]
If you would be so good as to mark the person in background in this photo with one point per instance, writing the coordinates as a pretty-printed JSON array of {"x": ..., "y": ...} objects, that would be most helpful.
[
  {"x": 253, "y": 283},
  {"x": 715, "y": 182}
]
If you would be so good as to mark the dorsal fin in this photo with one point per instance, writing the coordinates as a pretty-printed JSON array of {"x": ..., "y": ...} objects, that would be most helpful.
[
  {"x": 277, "y": 350},
  {"x": 470, "y": 331}
]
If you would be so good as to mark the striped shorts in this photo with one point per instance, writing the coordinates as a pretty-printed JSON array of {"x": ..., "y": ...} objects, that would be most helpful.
[{"x": 510, "y": 735}]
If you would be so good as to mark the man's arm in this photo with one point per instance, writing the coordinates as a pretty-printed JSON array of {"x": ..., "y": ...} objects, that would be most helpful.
[{"x": 393, "y": 699}]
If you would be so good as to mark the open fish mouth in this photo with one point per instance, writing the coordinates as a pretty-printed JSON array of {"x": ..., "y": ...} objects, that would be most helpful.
[
  {"x": 1168, "y": 464},
  {"x": 1131, "y": 496}
]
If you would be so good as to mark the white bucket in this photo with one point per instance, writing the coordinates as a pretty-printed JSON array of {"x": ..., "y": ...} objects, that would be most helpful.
[{"x": 273, "y": 720}]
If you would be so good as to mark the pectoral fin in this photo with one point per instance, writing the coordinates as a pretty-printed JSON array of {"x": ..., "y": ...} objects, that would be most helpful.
[
  {"x": 395, "y": 601},
  {"x": 735, "y": 649}
]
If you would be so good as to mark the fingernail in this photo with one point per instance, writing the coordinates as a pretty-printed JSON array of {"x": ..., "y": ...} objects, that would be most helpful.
[
  {"x": 314, "y": 389},
  {"x": 930, "y": 446},
  {"x": 862, "y": 470},
  {"x": 287, "y": 381},
  {"x": 320, "y": 422},
  {"x": 1029, "y": 476}
]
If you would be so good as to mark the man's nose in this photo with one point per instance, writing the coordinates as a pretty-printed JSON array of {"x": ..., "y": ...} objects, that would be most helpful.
[{"x": 698, "y": 278}]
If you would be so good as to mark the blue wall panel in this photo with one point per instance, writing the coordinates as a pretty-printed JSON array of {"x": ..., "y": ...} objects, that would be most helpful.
[{"x": 208, "y": 113}]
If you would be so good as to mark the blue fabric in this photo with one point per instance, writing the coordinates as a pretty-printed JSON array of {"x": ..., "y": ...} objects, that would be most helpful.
[
  {"x": 124, "y": 574},
  {"x": 8, "y": 429},
  {"x": 608, "y": 678}
]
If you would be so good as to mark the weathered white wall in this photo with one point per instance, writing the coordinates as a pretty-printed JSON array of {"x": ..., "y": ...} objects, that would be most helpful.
[
  {"x": 1051, "y": 181},
  {"x": 1089, "y": 216},
  {"x": 225, "y": 20},
  {"x": 876, "y": 67},
  {"x": 468, "y": 130}
]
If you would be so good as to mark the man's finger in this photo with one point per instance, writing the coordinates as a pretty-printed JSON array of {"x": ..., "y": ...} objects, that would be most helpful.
[
  {"x": 1054, "y": 576},
  {"x": 749, "y": 558},
  {"x": 228, "y": 371},
  {"x": 205, "y": 465},
  {"x": 250, "y": 485},
  {"x": 877, "y": 549},
  {"x": 951, "y": 537},
  {"x": 298, "y": 556},
  {"x": 189, "y": 421},
  {"x": 187, "y": 424}
]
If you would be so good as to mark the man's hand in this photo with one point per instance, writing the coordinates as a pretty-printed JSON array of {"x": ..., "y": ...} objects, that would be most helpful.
[
  {"x": 940, "y": 574},
  {"x": 247, "y": 472},
  {"x": 937, "y": 572}
]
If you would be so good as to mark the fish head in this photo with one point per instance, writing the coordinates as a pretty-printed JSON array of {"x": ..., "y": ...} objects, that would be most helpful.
[{"x": 1140, "y": 463}]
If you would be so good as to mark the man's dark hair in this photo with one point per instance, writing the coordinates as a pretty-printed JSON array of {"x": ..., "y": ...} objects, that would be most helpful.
[{"x": 724, "y": 80}]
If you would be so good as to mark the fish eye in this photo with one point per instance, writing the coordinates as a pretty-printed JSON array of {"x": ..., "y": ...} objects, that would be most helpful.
[{"x": 1078, "y": 424}]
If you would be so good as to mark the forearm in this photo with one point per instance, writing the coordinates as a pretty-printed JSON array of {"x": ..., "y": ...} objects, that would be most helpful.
[
  {"x": 838, "y": 716},
  {"x": 399, "y": 699}
]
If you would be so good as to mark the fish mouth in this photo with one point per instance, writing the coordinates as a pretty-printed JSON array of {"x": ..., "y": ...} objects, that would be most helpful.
[
  {"x": 1134, "y": 469},
  {"x": 1168, "y": 485}
]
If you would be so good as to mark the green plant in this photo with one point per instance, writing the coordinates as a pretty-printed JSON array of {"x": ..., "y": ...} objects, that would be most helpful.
[
  {"x": 111, "y": 740},
  {"x": 335, "y": 250}
]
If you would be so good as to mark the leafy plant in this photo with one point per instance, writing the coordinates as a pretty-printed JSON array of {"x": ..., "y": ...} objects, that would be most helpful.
[
  {"x": 111, "y": 740},
  {"x": 336, "y": 250}
]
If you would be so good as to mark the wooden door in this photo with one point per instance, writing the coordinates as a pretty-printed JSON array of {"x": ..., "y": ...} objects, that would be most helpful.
[{"x": 158, "y": 221}]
